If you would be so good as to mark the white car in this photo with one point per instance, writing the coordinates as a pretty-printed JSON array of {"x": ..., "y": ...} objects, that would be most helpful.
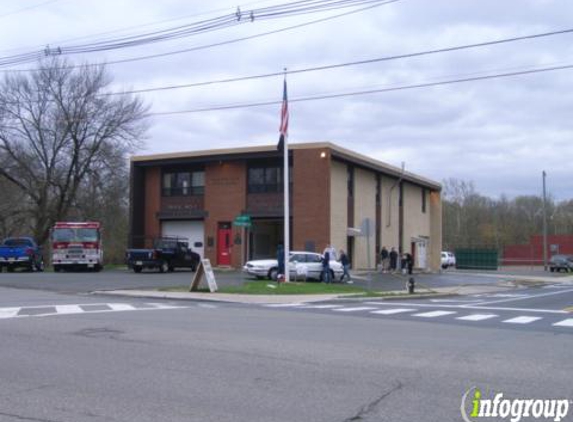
[
  {"x": 448, "y": 259},
  {"x": 302, "y": 265}
]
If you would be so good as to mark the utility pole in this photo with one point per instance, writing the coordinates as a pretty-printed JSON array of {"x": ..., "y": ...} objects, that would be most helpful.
[{"x": 544, "y": 224}]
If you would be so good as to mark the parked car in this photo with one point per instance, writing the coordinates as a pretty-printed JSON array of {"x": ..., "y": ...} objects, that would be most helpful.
[
  {"x": 561, "y": 262},
  {"x": 301, "y": 265},
  {"x": 21, "y": 252},
  {"x": 448, "y": 259},
  {"x": 166, "y": 255}
]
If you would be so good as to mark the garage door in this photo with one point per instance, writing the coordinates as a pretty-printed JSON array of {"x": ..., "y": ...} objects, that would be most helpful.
[{"x": 192, "y": 230}]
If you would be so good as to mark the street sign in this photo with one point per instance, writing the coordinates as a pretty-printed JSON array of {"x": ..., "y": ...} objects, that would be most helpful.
[{"x": 242, "y": 220}]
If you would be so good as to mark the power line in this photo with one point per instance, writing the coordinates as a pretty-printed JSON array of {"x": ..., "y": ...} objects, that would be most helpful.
[
  {"x": 367, "y": 92},
  {"x": 347, "y": 64},
  {"x": 183, "y": 31},
  {"x": 217, "y": 44}
]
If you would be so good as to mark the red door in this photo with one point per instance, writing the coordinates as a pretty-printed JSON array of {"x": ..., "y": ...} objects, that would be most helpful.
[{"x": 224, "y": 244}]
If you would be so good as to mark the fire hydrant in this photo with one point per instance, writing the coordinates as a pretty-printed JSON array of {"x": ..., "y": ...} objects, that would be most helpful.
[{"x": 411, "y": 285}]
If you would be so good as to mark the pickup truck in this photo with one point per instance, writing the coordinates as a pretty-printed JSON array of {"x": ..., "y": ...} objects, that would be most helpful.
[
  {"x": 166, "y": 255},
  {"x": 21, "y": 252}
]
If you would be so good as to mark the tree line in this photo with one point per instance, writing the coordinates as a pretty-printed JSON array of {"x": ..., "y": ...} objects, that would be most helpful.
[
  {"x": 65, "y": 138},
  {"x": 473, "y": 220}
]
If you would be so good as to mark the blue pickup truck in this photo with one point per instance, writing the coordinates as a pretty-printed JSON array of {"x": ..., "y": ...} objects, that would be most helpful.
[{"x": 21, "y": 252}]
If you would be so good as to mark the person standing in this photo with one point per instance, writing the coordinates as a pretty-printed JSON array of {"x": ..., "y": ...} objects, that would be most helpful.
[
  {"x": 384, "y": 258},
  {"x": 409, "y": 263},
  {"x": 345, "y": 266},
  {"x": 393, "y": 260},
  {"x": 326, "y": 265}
]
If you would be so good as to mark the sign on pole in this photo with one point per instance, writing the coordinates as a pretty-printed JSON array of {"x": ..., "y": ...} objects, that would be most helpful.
[
  {"x": 242, "y": 220},
  {"x": 204, "y": 271}
]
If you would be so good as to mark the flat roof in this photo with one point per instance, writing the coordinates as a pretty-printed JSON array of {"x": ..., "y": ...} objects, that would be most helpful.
[{"x": 336, "y": 152}]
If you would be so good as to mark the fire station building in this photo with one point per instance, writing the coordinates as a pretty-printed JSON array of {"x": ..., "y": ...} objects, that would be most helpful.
[{"x": 229, "y": 203}]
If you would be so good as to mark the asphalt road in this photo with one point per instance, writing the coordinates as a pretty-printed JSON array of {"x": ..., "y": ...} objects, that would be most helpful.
[{"x": 185, "y": 361}]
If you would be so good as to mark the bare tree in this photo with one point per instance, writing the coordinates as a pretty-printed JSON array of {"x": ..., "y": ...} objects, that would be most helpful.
[{"x": 59, "y": 125}]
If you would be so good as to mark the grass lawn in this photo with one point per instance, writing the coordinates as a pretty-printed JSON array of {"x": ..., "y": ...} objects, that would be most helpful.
[{"x": 271, "y": 288}]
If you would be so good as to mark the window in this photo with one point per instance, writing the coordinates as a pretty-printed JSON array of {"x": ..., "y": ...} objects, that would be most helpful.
[
  {"x": 183, "y": 183},
  {"x": 424, "y": 201},
  {"x": 266, "y": 179}
]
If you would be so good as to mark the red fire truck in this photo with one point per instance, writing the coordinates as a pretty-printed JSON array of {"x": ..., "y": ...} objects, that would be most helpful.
[{"x": 77, "y": 245}]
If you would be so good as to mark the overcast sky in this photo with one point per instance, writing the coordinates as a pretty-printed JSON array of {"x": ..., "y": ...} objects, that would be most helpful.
[{"x": 499, "y": 133}]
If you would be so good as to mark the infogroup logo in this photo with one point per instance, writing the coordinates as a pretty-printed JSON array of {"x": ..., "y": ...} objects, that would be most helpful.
[{"x": 514, "y": 410}]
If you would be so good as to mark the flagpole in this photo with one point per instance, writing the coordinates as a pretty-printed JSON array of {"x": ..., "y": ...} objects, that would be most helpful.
[{"x": 286, "y": 201}]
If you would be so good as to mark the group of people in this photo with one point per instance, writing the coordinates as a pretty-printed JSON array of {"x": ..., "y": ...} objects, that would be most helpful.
[
  {"x": 389, "y": 261},
  {"x": 329, "y": 254}
]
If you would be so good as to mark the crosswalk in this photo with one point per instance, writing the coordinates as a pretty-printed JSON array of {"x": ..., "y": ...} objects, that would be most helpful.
[
  {"x": 86, "y": 308},
  {"x": 560, "y": 319}
]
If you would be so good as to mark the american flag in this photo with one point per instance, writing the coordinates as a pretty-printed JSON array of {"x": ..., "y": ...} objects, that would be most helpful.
[{"x": 284, "y": 119}]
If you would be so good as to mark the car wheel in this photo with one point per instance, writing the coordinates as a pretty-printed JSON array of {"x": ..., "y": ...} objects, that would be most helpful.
[
  {"x": 164, "y": 267},
  {"x": 10, "y": 269},
  {"x": 137, "y": 269},
  {"x": 551, "y": 269},
  {"x": 273, "y": 273}
]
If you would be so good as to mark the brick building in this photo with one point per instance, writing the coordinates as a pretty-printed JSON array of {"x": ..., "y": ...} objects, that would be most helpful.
[{"x": 333, "y": 191}]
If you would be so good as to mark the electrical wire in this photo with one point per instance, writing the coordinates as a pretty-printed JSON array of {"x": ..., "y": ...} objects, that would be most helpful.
[
  {"x": 183, "y": 31},
  {"x": 24, "y": 9},
  {"x": 347, "y": 64},
  {"x": 367, "y": 92},
  {"x": 212, "y": 45}
]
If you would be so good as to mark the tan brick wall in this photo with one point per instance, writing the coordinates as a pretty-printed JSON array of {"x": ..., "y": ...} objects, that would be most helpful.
[
  {"x": 416, "y": 223},
  {"x": 338, "y": 204},
  {"x": 225, "y": 198},
  {"x": 311, "y": 198},
  {"x": 152, "y": 203},
  {"x": 435, "y": 207},
  {"x": 389, "y": 229},
  {"x": 364, "y": 207}
]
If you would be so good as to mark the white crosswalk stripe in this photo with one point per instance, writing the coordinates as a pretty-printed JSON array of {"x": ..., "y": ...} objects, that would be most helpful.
[
  {"x": 434, "y": 314},
  {"x": 522, "y": 320},
  {"x": 392, "y": 311},
  {"x": 476, "y": 317},
  {"x": 283, "y": 305},
  {"x": 565, "y": 323},
  {"x": 360, "y": 308},
  {"x": 86, "y": 308},
  {"x": 321, "y": 306}
]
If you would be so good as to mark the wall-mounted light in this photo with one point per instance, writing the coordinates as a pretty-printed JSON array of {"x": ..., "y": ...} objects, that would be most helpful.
[{"x": 323, "y": 154}]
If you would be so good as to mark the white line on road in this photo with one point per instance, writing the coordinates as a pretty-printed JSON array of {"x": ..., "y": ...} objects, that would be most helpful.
[
  {"x": 477, "y": 317},
  {"x": 9, "y": 312},
  {"x": 69, "y": 309},
  {"x": 565, "y": 323},
  {"x": 321, "y": 306},
  {"x": 121, "y": 307},
  {"x": 393, "y": 311},
  {"x": 522, "y": 320},
  {"x": 434, "y": 314},
  {"x": 560, "y": 292},
  {"x": 283, "y": 305},
  {"x": 361, "y": 308},
  {"x": 468, "y": 306}
]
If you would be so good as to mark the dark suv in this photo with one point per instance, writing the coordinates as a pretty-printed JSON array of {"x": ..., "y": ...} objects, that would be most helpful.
[{"x": 561, "y": 262}]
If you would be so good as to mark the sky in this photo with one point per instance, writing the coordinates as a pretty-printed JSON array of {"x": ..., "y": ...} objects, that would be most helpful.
[{"x": 499, "y": 133}]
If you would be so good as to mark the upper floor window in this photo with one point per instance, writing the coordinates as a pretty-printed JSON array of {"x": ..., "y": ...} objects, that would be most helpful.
[
  {"x": 183, "y": 183},
  {"x": 423, "y": 200},
  {"x": 266, "y": 179}
]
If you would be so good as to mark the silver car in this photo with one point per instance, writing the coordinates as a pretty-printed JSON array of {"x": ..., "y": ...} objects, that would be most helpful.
[{"x": 302, "y": 266}]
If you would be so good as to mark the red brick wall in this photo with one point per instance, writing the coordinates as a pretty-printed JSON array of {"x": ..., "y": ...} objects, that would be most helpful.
[
  {"x": 311, "y": 198},
  {"x": 152, "y": 203},
  {"x": 225, "y": 198}
]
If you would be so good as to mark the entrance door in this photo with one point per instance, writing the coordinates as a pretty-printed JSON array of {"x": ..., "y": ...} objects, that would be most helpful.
[
  {"x": 421, "y": 253},
  {"x": 224, "y": 244}
]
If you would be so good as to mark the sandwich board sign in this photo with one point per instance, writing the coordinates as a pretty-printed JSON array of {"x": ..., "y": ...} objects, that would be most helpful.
[{"x": 204, "y": 271}]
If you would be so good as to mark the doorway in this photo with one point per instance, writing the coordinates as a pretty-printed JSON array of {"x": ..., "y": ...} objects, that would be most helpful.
[{"x": 224, "y": 236}]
